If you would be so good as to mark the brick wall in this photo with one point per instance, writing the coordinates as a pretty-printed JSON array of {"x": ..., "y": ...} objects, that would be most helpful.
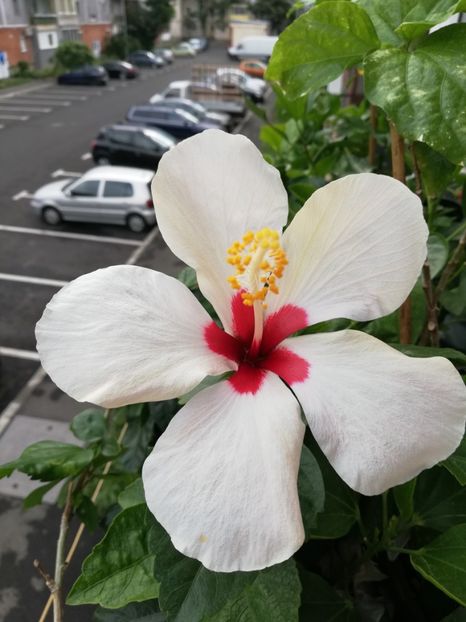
[
  {"x": 91, "y": 33},
  {"x": 10, "y": 42}
]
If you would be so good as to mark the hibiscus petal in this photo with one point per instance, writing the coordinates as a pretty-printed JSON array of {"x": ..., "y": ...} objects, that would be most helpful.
[
  {"x": 124, "y": 335},
  {"x": 355, "y": 249},
  {"x": 208, "y": 191},
  {"x": 222, "y": 478},
  {"x": 379, "y": 416}
]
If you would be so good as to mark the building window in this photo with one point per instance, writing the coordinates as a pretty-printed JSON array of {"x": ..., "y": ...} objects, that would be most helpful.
[{"x": 50, "y": 39}]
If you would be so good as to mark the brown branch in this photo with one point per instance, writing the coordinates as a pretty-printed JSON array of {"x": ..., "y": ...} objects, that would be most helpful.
[
  {"x": 372, "y": 152},
  {"x": 431, "y": 332},
  {"x": 398, "y": 172},
  {"x": 452, "y": 265}
]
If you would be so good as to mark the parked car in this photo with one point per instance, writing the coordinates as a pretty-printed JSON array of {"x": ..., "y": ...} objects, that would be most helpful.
[
  {"x": 254, "y": 68},
  {"x": 144, "y": 58},
  {"x": 198, "y": 110},
  {"x": 206, "y": 94},
  {"x": 106, "y": 194},
  {"x": 121, "y": 69},
  {"x": 88, "y": 74},
  {"x": 165, "y": 53},
  {"x": 130, "y": 145},
  {"x": 230, "y": 76},
  {"x": 175, "y": 121},
  {"x": 184, "y": 49},
  {"x": 253, "y": 47},
  {"x": 200, "y": 44}
]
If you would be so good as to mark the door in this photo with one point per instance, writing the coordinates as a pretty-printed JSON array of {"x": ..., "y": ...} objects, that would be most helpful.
[
  {"x": 147, "y": 152},
  {"x": 81, "y": 200},
  {"x": 121, "y": 148},
  {"x": 116, "y": 202}
]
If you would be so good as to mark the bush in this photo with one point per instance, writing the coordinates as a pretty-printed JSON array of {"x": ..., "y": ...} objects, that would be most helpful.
[
  {"x": 119, "y": 46},
  {"x": 22, "y": 70},
  {"x": 71, "y": 54}
]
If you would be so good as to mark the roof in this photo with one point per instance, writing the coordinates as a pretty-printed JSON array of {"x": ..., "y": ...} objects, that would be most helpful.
[{"x": 119, "y": 173}]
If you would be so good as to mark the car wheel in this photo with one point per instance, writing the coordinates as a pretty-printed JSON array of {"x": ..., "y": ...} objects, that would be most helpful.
[
  {"x": 136, "y": 223},
  {"x": 51, "y": 216},
  {"x": 102, "y": 161}
]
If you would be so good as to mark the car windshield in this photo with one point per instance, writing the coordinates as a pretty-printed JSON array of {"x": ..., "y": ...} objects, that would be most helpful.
[
  {"x": 161, "y": 138},
  {"x": 187, "y": 115}
]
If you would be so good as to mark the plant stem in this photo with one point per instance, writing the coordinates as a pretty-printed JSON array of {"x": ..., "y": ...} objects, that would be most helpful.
[
  {"x": 398, "y": 172},
  {"x": 451, "y": 266},
  {"x": 372, "y": 155},
  {"x": 60, "y": 563},
  {"x": 431, "y": 333}
]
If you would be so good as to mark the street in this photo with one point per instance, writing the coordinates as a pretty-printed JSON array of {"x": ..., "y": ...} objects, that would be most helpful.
[{"x": 45, "y": 134}]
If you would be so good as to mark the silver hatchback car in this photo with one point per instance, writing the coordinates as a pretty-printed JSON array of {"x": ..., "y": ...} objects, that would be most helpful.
[{"x": 114, "y": 195}]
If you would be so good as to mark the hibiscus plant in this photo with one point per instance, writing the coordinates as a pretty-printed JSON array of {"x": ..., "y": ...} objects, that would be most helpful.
[{"x": 263, "y": 447}]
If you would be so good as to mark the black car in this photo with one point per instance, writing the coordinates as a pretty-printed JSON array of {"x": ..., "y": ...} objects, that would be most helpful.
[
  {"x": 129, "y": 145},
  {"x": 143, "y": 58},
  {"x": 121, "y": 69},
  {"x": 89, "y": 74},
  {"x": 175, "y": 121}
]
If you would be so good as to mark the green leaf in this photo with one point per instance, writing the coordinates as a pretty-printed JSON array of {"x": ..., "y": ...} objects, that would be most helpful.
[
  {"x": 191, "y": 593},
  {"x": 454, "y": 300},
  {"x": 132, "y": 494},
  {"x": 340, "y": 508},
  {"x": 423, "y": 90},
  {"x": 318, "y": 46},
  {"x": 443, "y": 563},
  {"x": 207, "y": 382},
  {"x": 437, "y": 253},
  {"x": 436, "y": 170},
  {"x": 134, "y": 612},
  {"x": 188, "y": 277},
  {"x": 456, "y": 463},
  {"x": 50, "y": 461},
  {"x": 321, "y": 603},
  {"x": 455, "y": 356},
  {"x": 120, "y": 568},
  {"x": 87, "y": 511},
  {"x": 404, "y": 498},
  {"x": 311, "y": 490},
  {"x": 424, "y": 15},
  {"x": 89, "y": 425},
  {"x": 35, "y": 497},
  {"x": 439, "y": 501},
  {"x": 459, "y": 615}
]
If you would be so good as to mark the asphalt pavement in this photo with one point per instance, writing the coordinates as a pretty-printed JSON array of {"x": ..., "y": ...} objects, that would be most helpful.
[{"x": 45, "y": 134}]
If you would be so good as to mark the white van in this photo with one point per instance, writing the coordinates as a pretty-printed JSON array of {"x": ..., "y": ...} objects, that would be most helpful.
[{"x": 253, "y": 47}]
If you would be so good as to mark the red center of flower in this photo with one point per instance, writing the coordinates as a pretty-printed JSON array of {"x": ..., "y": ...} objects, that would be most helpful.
[{"x": 255, "y": 359}]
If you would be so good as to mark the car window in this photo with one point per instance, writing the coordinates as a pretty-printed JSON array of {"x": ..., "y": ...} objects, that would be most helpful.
[
  {"x": 118, "y": 189},
  {"x": 143, "y": 142},
  {"x": 164, "y": 140},
  {"x": 120, "y": 137},
  {"x": 173, "y": 93},
  {"x": 87, "y": 188}
]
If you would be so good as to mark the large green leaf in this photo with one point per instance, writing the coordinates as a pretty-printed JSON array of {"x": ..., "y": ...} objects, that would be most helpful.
[
  {"x": 318, "y": 46},
  {"x": 443, "y": 563},
  {"x": 398, "y": 20},
  {"x": 120, "y": 568},
  {"x": 134, "y": 612},
  {"x": 311, "y": 490},
  {"x": 456, "y": 463},
  {"x": 404, "y": 498},
  {"x": 89, "y": 425},
  {"x": 439, "y": 501},
  {"x": 426, "y": 351},
  {"x": 132, "y": 494},
  {"x": 424, "y": 90},
  {"x": 50, "y": 460},
  {"x": 191, "y": 593},
  {"x": 436, "y": 170},
  {"x": 437, "y": 252},
  {"x": 321, "y": 603}
]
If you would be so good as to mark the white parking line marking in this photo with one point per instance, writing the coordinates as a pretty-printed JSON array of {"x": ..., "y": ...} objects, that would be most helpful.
[
  {"x": 19, "y": 354},
  {"x": 35, "y": 102},
  {"x": 61, "y": 173},
  {"x": 34, "y": 280},
  {"x": 150, "y": 237},
  {"x": 85, "y": 237},
  {"x": 86, "y": 156},
  {"x": 1, "y": 127},
  {"x": 23, "y": 91},
  {"x": 5, "y": 108},
  {"x": 10, "y": 411},
  {"x": 54, "y": 95},
  {"x": 24, "y": 194},
  {"x": 14, "y": 117}
]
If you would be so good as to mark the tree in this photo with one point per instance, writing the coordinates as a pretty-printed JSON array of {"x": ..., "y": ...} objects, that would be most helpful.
[
  {"x": 208, "y": 14},
  {"x": 146, "y": 23},
  {"x": 274, "y": 11},
  {"x": 120, "y": 45},
  {"x": 71, "y": 54}
]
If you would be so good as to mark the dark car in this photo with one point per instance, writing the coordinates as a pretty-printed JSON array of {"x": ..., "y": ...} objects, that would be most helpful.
[
  {"x": 89, "y": 74},
  {"x": 121, "y": 69},
  {"x": 223, "y": 120},
  {"x": 143, "y": 58},
  {"x": 130, "y": 145},
  {"x": 175, "y": 121}
]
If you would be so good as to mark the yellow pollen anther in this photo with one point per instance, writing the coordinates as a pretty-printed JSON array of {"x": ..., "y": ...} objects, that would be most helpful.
[{"x": 258, "y": 260}]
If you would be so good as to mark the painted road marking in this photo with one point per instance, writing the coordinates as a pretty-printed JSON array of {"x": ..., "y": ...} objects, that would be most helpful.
[
  {"x": 85, "y": 237},
  {"x": 23, "y": 91},
  {"x": 11, "y": 410},
  {"x": 5, "y": 108},
  {"x": 54, "y": 95},
  {"x": 150, "y": 237},
  {"x": 19, "y": 354},
  {"x": 24, "y": 194},
  {"x": 34, "y": 280},
  {"x": 61, "y": 173},
  {"x": 86, "y": 156},
  {"x": 14, "y": 117},
  {"x": 35, "y": 102}
]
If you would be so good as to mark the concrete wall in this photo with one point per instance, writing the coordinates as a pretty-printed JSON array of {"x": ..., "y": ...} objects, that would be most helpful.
[
  {"x": 13, "y": 13},
  {"x": 94, "y": 11},
  {"x": 94, "y": 35}
]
